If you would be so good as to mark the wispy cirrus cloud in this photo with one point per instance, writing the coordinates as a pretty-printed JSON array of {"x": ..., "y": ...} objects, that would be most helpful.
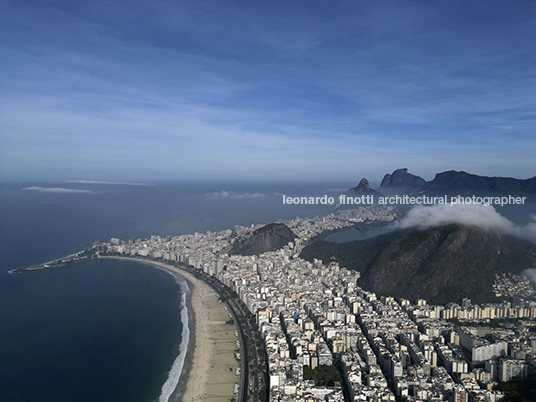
[
  {"x": 247, "y": 91},
  {"x": 57, "y": 190}
]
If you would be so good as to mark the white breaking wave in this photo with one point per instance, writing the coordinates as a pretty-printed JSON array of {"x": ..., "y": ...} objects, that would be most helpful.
[{"x": 176, "y": 370}]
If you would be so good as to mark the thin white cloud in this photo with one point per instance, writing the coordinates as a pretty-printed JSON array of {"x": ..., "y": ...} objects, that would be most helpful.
[
  {"x": 106, "y": 182},
  {"x": 57, "y": 190},
  {"x": 236, "y": 196}
]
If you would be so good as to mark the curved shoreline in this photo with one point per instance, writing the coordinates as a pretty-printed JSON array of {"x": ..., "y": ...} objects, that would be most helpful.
[
  {"x": 177, "y": 371},
  {"x": 210, "y": 354}
]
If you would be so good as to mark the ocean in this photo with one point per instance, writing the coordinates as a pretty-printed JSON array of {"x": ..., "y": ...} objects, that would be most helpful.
[{"x": 110, "y": 330}]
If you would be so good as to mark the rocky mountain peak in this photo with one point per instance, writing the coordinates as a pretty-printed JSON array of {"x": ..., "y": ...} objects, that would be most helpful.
[
  {"x": 363, "y": 185},
  {"x": 401, "y": 178}
]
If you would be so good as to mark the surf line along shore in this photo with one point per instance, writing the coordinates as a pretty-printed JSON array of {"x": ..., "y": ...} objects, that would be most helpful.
[{"x": 213, "y": 367}]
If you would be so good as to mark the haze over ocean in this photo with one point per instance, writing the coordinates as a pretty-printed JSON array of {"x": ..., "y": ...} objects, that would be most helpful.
[{"x": 105, "y": 330}]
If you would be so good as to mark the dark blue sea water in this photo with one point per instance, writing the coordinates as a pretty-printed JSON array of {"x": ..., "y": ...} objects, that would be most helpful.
[
  {"x": 106, "y": 330},
  {"x": 88, "y": 332}
]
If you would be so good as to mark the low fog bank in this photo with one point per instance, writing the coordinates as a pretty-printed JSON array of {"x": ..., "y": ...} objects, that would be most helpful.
[{"x": 484, "y": 217}]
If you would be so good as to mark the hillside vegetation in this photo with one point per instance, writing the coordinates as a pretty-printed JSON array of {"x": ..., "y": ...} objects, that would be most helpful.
[{"x": 441, "y": 264}]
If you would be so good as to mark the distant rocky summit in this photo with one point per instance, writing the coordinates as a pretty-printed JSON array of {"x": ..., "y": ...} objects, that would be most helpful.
[
  {"x": 271, "y": 237},
  {"x": 456, "y": 183},
  {"x": 441, "y": 264},
  {"x": 463, "y": 183},
  {"x": 400, "y": 178},
  {"x": 364, "y": 188}
]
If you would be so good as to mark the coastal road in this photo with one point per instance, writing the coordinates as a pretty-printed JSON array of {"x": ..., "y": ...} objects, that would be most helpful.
[
  {"x": 237, "y": 314},
  {"x": 239, "y": 307},
  {"x": 242, "y": 311}
]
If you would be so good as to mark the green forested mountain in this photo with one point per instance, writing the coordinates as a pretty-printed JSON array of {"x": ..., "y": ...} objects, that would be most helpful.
[{"x": 440, "y": 264}]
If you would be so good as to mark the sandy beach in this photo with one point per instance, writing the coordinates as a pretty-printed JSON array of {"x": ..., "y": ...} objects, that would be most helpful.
[{"x": 212, "y": 373}]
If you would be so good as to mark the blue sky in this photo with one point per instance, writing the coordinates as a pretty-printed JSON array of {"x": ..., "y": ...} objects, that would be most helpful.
[{"x": 310, "y": 90}]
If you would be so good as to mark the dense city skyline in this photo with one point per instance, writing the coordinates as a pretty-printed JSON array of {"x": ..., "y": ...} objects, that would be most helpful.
[{"x": 228, "y": 90}]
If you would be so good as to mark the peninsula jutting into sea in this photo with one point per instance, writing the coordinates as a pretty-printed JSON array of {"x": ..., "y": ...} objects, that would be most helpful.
[{"x": 305, "y": 330}]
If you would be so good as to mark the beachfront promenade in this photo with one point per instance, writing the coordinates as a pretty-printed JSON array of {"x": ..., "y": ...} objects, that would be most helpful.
[{"x": 250, "y": 380}]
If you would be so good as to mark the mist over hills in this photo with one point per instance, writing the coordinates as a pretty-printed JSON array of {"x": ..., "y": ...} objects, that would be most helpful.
[{"x": 481, "y": 216}]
